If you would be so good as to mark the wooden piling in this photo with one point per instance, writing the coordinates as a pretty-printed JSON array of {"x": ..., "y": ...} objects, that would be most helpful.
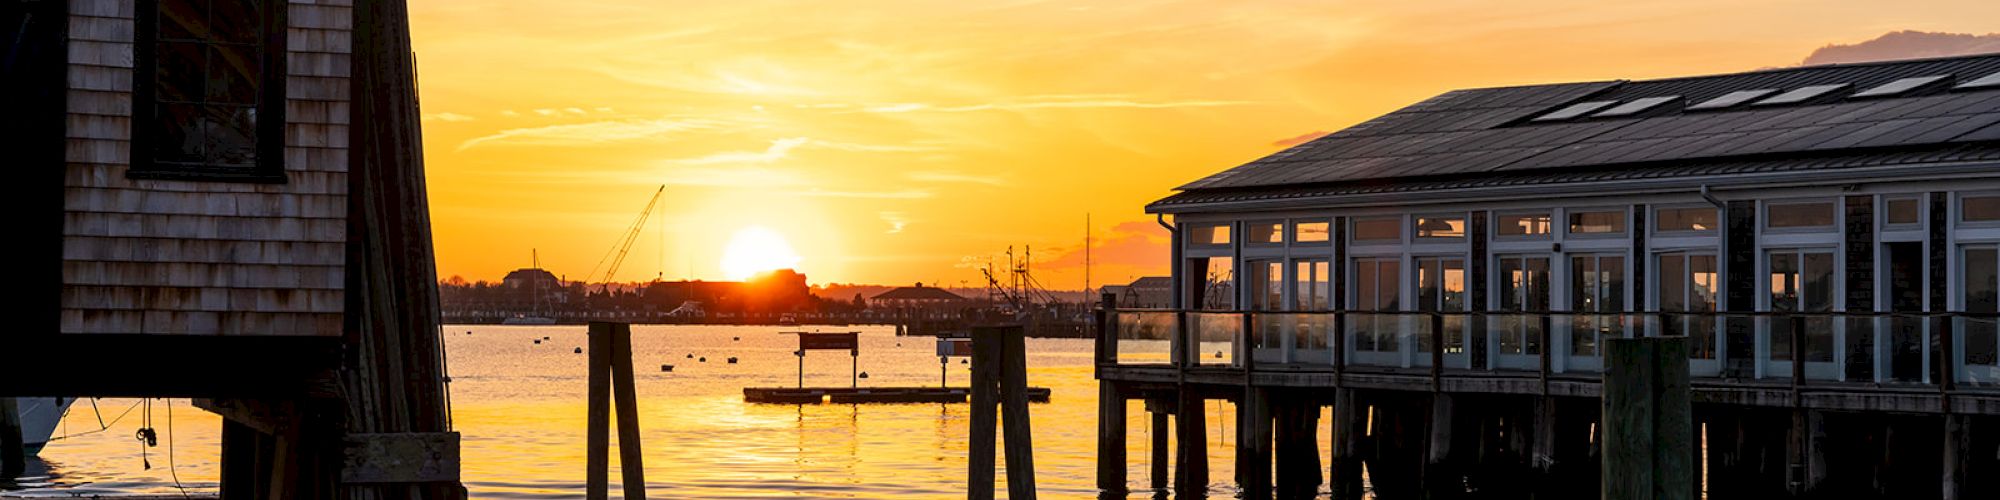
[
  {"x": 1297, "y": 449},
  {"x": 1957, "y": 446},
  {"x": 1111, "y": 463},
  {"x": 1191, "y": 458},
  {"x": 1253, "y": 443},
  {"x": 611, "y": 379},
  {"x": 1014, "y": 406},
  {"x": 1648, "y": 444},
  {"x": 1441, "y": 476},
  {"x": 985, "y": 418},
  {"x": 1159, "y": 456},
  {"x": 1349, "y": 424},
  {"x": 13, "y": 447}
]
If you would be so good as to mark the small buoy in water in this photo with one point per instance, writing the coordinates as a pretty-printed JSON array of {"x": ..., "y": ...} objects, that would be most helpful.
[
  {"x": 704, "y": 359},
  {"x": 1218, "y": 354},
  {"x": 545, "y": 337},
  {"x": 579, "y": 350},
  {"x": 690, "y": 355},
  {"x": 732, "y": 360},
  {"x": 736, "y": 338},
  {"x": 864, "y": 375},
  {"x": 666, "y": 368},
  {"x": 899, "y": 344},
  {"x": 963, "y": 361},
  {"x": 538, "y": 341}
]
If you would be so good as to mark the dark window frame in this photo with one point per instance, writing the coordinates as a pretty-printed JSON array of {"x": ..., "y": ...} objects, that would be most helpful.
[{"x": 270, "y": 164}]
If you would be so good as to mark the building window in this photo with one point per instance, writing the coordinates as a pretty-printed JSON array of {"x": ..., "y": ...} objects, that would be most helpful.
[
  {"x": 209, "y": 91},
  {"x": 1596, "y": 285},
  {"x": 1801, "y": 281},
  {"x": 1441, "y": 288},
  {"x": 1523, "y": 225},
  {"x": 1979, "y": 209},
  {"x": 1798, "y": 215},
  {"x": 1310, "y": 232},
  {"x": 1210, "y": 235},
  {"x": 1901, "y": 211},
  {"x": 1597, "y": 222},
  {"x": 1689, "y": 282},
  {"x": 1700, "y": 219},
  {"x": 1377, "y": 287},
  {"x": 1441, "y": 227},
  {"x": 1980, "y": 282},
  {"x": 1524, "y": 287},
  {"x": 1215, "y": 283},
  {"x": 1265, "y": 233},
  {"x": 1377, "y": 230}
]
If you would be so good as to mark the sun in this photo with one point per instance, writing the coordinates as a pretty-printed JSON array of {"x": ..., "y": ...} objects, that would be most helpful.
[{"x": 756, "y": 249}]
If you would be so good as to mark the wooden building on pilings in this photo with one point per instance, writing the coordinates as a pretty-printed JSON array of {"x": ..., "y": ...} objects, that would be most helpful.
[
  {"x": 231, "y": 208},
  {"x": 1827, "y": 238}
]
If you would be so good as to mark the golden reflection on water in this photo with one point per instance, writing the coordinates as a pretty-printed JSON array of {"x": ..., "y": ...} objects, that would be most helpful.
[{"x": 520, "y": 407}]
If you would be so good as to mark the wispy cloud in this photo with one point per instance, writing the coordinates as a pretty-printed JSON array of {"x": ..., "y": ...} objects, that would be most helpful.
[
  {"x": 906, "y": 194},
  {"x": 575, "y": 134},
  {"x": 896, "y": 220},
  {"x": 447, "y": 117},
  {"x": 782, "y": 148},
  {"x": 1299, "y": 139},
  {"x": 735, "y": 177},
  {"x": 1083, "y": 101},
  {"x": 779, "y": 149},
  {"x": 509, "y": 112},
  {"x": 957, "y": 178}
]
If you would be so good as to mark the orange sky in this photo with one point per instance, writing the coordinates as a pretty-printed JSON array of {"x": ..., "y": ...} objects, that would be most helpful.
[{"x": 894, "y": 142}]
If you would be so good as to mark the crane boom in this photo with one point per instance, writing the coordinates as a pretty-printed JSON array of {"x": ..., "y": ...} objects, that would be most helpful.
[{"x": 617, "y": 257}]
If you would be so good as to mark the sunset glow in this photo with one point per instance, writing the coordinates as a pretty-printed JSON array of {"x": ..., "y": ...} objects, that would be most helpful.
[
  {"x": 893, "y": 140},
  {"x": 756, "y": 249}
]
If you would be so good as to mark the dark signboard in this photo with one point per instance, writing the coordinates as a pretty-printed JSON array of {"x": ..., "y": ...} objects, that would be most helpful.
[
  {"x": 947, "y": 347},
  {"x": 814, "y": 341}
]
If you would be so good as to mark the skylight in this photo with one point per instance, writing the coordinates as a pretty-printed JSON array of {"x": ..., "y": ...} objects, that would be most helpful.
[
  {"x": 1990, "y": 81},
  {"x": 1801, "y": 94},
  {"x": 1574, "y": 110},
  {"x": 1900, "y": 86},
  {"x": 1732, "y": 99},
  {"x": 1636, "y": 106}
]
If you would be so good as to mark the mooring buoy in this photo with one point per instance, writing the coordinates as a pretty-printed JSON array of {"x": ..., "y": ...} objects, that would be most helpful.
[
  {"x": 690, "y": 356},
  {"x": 1218, "y": 354},
  {"x": 666, "y": 368},
  {"x": 736, "y": 338},
  {"x": 538, "y": 341},
  {"x": 704, "y": 359},
  {"x": 579, "y": 350},
  {"x": 864, "y": 375},
  {"x": 732, "y": 360}
]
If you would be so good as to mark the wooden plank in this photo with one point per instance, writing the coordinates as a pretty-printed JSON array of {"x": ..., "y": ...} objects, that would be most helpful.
[
  {"x": 98, "y": 151},
  {"x": 95, "y": 53},
  {"x": 1014, "y": 406},
  {"x": 211, "y": 227},
  {"x": 108, "y": 249},
  {"x": 597, "y": 478},
  {"x": 1191, "y": 434},
  {"x": 399, "y": 457},
  {"x": 1674, "y": 446},
  {"x": 103, "y": 8},
  {"x": 318, "y": 64},
  {"x": 317, "y": 88},
  {"x": 1159, "y": 458},
  {"x": 100, "y": 29},
  {"x": 315, "y": 135},
  {"x": 102, "y": 103},
  {"x": 189, "y": 275},
  {"x": 986, "y": 358},
  {"x": 1111, "y": 461},
  {"x": 320, "y": 16},
  {"x": 1628, "y": 419},
  {"x": 319, "y": 40},
  {"x": 273, "y": 207},
  {"x": 631, "y": 456}
]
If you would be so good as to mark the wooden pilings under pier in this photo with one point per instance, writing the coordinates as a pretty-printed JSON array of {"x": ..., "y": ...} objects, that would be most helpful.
[{"x": 1415, "y": 445}]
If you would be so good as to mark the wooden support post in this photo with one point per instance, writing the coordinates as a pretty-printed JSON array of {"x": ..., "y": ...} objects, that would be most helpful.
[
  {"x": 1957, "y": 446},
  {"x": 13, "y": 447},
  {"x": 1111, "y": 463},
  {"x": 1648, "y": 443},
  {"x": 985, "y": 416},
  {"x": 1191, "y": 459},
  {"x": 239, "y": 461},
  {"x": 1253, "y": 443},
  {"x": 1349, "y": 423},
  {"x": 1159, "y": 456},
  {"x": 611, "y": 378},
  {"x": 1014, "y": 406},
  {"x": 1441, "y": 475},
  {"x": 1298, "y": 449}
]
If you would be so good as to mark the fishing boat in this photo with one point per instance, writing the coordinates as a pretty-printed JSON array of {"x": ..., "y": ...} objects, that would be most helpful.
[{"x": 39, "y": 418}]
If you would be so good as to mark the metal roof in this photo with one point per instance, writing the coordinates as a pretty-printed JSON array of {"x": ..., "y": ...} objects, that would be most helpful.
[{"x": 1478, "y": 133}]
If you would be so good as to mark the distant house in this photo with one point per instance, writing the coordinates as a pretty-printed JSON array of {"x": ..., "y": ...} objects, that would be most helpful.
[
  {"x": 1151, "y": 292},
  {"x": 534, "y": 285},
  {"x": 918, "y": 296}
]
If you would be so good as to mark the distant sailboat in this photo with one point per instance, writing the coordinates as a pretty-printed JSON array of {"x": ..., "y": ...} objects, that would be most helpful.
[
  {"x": 534, "y": 317},
  {"x": 39, "y": 418}
]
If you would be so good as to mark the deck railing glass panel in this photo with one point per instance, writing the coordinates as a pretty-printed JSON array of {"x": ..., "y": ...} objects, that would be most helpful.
[
  {"x": 1218, "y": 338},
  {"x": 1977, "y": 345},
  {"x": 1294, "y": 340},
  {"x": 1146, "y": 337}
]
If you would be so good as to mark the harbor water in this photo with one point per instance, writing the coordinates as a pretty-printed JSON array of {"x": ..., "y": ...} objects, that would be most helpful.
[{"x": 521, "y": 408}]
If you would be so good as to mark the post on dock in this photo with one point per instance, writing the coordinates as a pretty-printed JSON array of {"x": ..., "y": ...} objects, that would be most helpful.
[
  {"x": 611, "y": 378},
  {"x": 1297, "y": 448},
  {"x": 1350, "y": 424},
  {"x": 1191, "y": 457},
  {"x": 1253, "y": 443},
  {"x": 1647, "y": 425},
  {"x": 1110, "y": 438},
  {"x": 1160, "y": 408},
  {"x": 1000, "y": 377},
  {"x": 13, "y": 446}
]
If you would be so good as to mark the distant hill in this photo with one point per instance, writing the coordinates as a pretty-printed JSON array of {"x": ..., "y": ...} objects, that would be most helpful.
[{"x": 1906, "y": 44}]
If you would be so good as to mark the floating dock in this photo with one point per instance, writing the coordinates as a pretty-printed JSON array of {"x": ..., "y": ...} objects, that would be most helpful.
[{"x": 853, "y": 395}]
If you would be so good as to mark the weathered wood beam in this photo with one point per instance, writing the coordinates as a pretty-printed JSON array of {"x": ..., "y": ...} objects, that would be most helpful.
[{"x": 1111, "y": 461}]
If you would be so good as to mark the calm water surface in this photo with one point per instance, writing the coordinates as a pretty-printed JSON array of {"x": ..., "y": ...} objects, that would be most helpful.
[{"x": 521, "y": 409}]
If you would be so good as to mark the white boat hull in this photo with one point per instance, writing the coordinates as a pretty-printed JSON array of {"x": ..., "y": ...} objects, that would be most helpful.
[{"x": 39, "y": 419}]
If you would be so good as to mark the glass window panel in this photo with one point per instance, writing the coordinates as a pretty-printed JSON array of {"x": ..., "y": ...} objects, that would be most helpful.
[
  {"x": 232, "y": 74},
  {"x": 1597, "y": 222},
  {"x": 1784, "y": 215},
  {"x": 1377, "y": 230},
  {"x": 1536, "y": 224},
  {"x": 232, "y": 20},
  {"x": 1440, "y": 227},
  {"x": 1312, "y": 291},
  {"x": 1901, "y": 211},
  {"x": 1980, "y": 209},
  {"x": 1261, "y": 232},
  {"x": 1218, "y": 291},
  {"x": 177, "y": 134},
  {"x": 183, "y": 20},
  {"x": 1784, "y": 277},
  {"x": 178, "y": 72},
  {"x": 1685, "y": 219},
  {"x": 1982, "y": 294},
  {"x": 1267, "y": 279},
  {"x": 1310, "y": 232},
  {"x": 1212, "y": 234},
  {"x": 230, "y": 138}
]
